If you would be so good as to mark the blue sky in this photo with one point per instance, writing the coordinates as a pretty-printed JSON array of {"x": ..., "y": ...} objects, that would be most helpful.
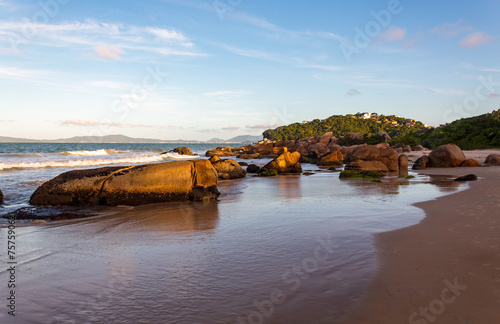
[{"x": 196, "y": 69}]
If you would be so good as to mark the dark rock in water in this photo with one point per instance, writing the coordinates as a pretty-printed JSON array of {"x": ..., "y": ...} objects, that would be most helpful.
[
  {"x": 48, "y": 213},
  {"x": 308, "y": 173},
  {"x": 252, "y": 168},
  {"x": 332, "y": 169},
  {"x": 421, "y": 163},
  {"x": 183, "y": 150},
  {"x": 1, "y": 197},
  {"x": 469, "y": 177},
  {"x": 243, "y": 163},
  {"x": 306, "y": 159},
  {"x": 229, "y": 169},
  {"x": 136, "y": 185}
]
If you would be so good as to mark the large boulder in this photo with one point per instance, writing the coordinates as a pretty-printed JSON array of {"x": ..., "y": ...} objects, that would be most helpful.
[
  {"x": 285, "y": 163},
  {"x": 354, "y": 136},
  {"x": 379, "y": 153},
  {"x": 332, "y": 159},
  {"x": 229, "y": 169},
  {"x": 447, "y": 156},
  {"x": 300, "y": 147},
  {"x": 470, "y": 163},
  {"x": 220, "y": 152},
  {"x": 135, "y": 185},
  {"x": 386, "y": 136},
  {"x": 492, "y": 159},
  {"x": 421, "y": 163},
  {"x": 263, "y": 148},
  {"x": 403, "y": 162},
  {"x": 183, "y": 150}
]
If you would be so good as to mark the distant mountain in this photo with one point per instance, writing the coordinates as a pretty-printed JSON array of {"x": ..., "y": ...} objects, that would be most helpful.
[
  {"x": 126, "y": 139},
  {"x": 245, "y": 139},
  {"x": 216, "y": 140}
]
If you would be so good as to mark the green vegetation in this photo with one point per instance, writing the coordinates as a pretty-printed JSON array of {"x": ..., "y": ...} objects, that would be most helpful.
[
  {"x": 348, "y": 174},
  {"x": 339, "y": 125},
  {"x": 406, "y": 176},
  {"x": 268, "y": 173},
  {"x": 376, "y": 180},
  {"x": 478, "y": 132}
]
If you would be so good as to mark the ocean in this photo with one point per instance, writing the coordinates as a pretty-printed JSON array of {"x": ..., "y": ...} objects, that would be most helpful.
[{"x": 286, "y": 249}]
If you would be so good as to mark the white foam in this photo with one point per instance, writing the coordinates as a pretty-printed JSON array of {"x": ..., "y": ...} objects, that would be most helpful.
[{"x": 86, "y": 153}]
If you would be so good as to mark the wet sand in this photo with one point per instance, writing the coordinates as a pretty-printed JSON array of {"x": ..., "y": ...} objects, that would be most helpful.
[
  {"x": 287, "y": 249},
  {"x": 446, "y": 269}
]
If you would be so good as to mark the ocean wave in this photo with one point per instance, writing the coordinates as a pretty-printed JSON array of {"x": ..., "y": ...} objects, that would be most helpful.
[
  {"x": 97, "y": 162},
  {"x": 92, "y": 153}
]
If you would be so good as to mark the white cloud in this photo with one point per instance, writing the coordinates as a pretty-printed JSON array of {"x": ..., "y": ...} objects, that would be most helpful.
[
  {"x": 230, "y": 128},
  {"x": 476, "y": 39},
  {"x": 249, "y": 52},
  {"x": 114, "y": 85}
]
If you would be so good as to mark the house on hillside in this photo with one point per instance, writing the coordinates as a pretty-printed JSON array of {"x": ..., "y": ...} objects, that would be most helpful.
[
  {"x": 306, "y": 121},
  {"x": 364, "y": 115}
]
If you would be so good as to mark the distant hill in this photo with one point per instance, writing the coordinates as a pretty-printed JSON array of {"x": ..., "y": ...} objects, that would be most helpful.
[
  {"x": 479, "y": 132},
  {"x": 365, "y": 124},
  {"x": 5, "y": 139},
  {"x": 216, "y": 140}
]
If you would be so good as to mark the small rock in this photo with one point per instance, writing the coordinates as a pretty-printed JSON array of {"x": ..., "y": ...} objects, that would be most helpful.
[
  {"x": 470, "y": 163},
  {"x": 243, "y": 163},
  {"x": 183, "y": 150},
  {"x": 421, "y": 163},
  {"x": 493, "y": 159},
  {"x": 253, "y": 168},
  {"x": 469, "y": 177}
]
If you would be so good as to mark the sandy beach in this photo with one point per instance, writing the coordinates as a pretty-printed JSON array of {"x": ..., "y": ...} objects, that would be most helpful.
[{"x": 446, "y": 269}]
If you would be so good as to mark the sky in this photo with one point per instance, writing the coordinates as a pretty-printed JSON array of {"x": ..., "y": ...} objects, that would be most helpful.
[{"x": 196, "y": 69}]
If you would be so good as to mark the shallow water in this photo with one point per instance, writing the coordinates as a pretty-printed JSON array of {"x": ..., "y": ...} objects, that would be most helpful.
[{"x": 287, "y": 249}]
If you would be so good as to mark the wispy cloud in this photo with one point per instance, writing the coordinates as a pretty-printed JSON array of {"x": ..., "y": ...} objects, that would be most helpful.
[
  {"x": 231, "y": 94},
  {"x": 109, "y": 52},
  {"x": 253, "y": 53},
  {"x": 446, "y": 91},
  {"x": 353, "y": 92},
  {"x": 452, "y": 29},
  {"x": 114, "y": 85},
  {"x": 261, "y": 126},
  {"x": 393, "y": 34},
  {"x": 476, "y": 39},
  {"x": 230, "y": 128},
  {"x": 93, "y": 123},
  {"x": 116, "y": 37},
  {"x": 493, "y": 95}
]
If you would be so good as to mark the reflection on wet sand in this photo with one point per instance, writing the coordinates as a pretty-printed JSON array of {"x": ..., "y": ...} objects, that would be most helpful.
[{"x": 173, "y": 217}]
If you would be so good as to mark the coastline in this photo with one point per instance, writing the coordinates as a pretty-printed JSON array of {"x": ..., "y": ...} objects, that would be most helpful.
[{"x": 446, "y": 269}]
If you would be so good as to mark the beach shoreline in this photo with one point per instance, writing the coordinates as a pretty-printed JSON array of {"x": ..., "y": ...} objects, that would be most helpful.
[{"x": 445, "y": 269}]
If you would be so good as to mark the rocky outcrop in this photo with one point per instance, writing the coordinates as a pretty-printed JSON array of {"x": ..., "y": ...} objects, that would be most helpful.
[
  {"x": 135, "y": 185},
  {"x": 326, "y": 138},
  {"x": 229, "y": 169},
  {"x": 317, "y": 150},
  {"x": 332, "y": 159},
  {"x": 446, "y": 156},
  {"x": 253, "y": 168},
  {"x": 492, "y": 159},
  {"x": 470, "y": 163},
  {"x": 386, "y": 136},
  {"x": 421, "y": 163},
  {"x": 403, "y": 162},
  {"x": 374, "y": 153},
  {"x": 183, "y": 150},
  {"x": 406, "y": 148},
  {"x": 285, "y": 163}
]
